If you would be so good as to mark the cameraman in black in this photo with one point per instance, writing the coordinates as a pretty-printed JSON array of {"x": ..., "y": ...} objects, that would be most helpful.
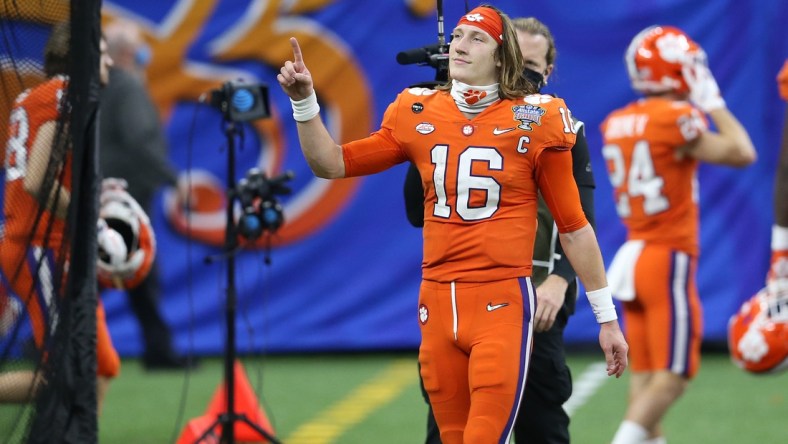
[{"x": 541, "y": 418}]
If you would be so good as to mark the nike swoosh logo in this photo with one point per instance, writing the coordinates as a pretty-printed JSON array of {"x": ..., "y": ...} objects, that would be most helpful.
[
  {"x": 491, "y": 307},
  {"x": 498, "y": 132}
]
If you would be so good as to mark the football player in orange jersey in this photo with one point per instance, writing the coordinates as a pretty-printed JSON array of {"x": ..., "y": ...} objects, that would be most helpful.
[
  {"x": 542, "y": 416},
  {"x": 34, "y": 133},
  {"x": 652, "y": 148},
  {"x": 484, "y": 145}
]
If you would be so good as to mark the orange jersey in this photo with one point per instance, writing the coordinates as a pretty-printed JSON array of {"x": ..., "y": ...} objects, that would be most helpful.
[
  {"x": 480, "y": 177},
  {"x": 32, "y": 109},
  {"x": 655, "y": 190},
  {"x": 782, "y": 81}
]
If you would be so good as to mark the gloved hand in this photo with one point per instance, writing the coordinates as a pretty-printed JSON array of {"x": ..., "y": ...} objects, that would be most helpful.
[{"x": 704, "y": 91}]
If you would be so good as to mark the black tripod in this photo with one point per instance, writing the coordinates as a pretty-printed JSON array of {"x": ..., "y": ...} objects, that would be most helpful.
[{"x": 228, "y": 419}]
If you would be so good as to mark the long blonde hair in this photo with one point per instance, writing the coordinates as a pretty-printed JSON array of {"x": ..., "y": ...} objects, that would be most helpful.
[{"x": 511, "y": 83}]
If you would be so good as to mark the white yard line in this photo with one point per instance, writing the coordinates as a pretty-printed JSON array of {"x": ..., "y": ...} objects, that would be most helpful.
[{"x": 592, "y": 378}]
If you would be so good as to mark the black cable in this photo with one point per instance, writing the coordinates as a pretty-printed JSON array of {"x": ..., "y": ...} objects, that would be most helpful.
[
  {"x": 189, "y": 280},
  {"x": 266, "y": 298}
]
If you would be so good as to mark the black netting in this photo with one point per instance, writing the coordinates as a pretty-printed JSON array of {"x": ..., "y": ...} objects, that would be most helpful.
[{"x": 49, "y": 63}]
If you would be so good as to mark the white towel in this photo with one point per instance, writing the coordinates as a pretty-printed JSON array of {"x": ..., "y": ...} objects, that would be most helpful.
[{"x": 621, "y": 273}]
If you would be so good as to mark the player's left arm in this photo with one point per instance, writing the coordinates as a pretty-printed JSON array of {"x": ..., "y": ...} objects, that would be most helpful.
[
  {"x": 576, "y": 234},
  {"x": 580, "y": 245},
  {"x": 551, "y": 293},
  {"x": 582, "y": 249},
  {"x": 36, "y": 171},
  {"x": 584, "y": 178}
]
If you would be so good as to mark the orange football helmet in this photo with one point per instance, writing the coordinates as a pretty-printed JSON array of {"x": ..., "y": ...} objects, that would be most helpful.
[
  {"x": 655, "y": 58},
  {"x": 122, "y": 217},
  {"x": 758, "y": 333}
]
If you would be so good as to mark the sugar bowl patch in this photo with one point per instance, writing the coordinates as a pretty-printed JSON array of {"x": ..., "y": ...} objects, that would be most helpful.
[{"x": 528, "y": 115}]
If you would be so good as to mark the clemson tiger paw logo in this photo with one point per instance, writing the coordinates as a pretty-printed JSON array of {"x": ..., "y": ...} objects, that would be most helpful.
[
  {"x": 472, "y": 96},
  {"x": 753, "y": 346},
  {"x": 423, "y": 315}
]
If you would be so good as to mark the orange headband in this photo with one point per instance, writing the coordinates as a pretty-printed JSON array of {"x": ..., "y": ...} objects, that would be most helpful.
[{"x": 485, "y": 19}]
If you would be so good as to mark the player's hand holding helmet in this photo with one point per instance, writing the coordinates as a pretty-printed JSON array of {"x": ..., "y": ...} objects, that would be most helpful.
[
  {"x": 703, "y": 89},
  {"x": 758, "y": 333},
  {"x": 122, "y": 219}
]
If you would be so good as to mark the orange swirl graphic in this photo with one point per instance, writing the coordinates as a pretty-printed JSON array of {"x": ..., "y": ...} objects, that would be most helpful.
[{"x": 339, "y": 81}]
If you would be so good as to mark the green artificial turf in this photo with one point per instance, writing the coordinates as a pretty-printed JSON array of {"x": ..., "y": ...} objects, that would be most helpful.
[{"x": 303, "y": 397}]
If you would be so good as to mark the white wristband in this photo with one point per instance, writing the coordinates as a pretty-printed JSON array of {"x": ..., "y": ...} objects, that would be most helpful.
[
  {"x": 602, "y": 304},
  {"x": 305, "y": 109},
  {"x": 779, "y": 238}
]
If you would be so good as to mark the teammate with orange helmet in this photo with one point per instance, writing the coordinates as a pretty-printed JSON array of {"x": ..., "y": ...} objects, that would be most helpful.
[
  {"x": 656, "y": 59},
  {"x": 652, "y": 149}
]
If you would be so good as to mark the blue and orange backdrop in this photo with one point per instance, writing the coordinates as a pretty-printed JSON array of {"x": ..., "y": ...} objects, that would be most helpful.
[{"x": 344, "y": 270}]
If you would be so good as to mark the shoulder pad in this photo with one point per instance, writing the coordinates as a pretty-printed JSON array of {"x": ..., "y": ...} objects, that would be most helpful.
[
  {"x": 418, "y": 91},
  {"x": 540, "y": 99}
]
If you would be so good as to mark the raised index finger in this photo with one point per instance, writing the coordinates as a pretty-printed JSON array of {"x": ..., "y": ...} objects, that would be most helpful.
[{"x": 297, "y": 57}]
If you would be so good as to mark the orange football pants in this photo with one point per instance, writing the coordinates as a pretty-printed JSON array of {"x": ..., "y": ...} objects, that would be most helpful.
[
  {"x": 33, "y": 284},
  {"x": 663, "y": 324},
  {"x": 474, "y": 356}
]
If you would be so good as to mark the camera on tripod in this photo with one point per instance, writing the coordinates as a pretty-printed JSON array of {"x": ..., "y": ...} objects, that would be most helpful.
[
  {"x": 262, "y": 212},
  {"x": 241, "y": 102}
]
